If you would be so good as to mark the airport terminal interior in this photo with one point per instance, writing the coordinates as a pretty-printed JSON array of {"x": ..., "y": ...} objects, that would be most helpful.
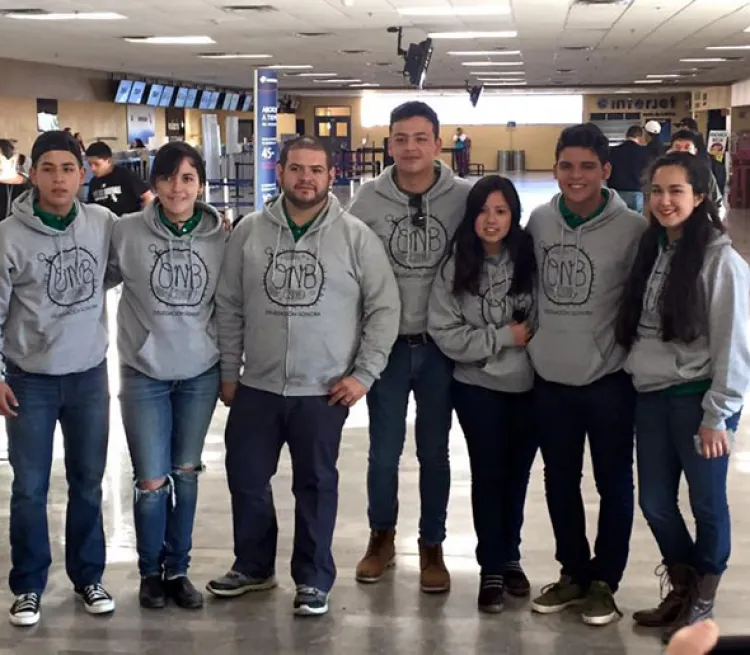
[{"x": 505, "y": 78}]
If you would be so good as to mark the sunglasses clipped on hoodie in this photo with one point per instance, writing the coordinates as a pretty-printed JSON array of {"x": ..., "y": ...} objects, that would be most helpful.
[{"x": 417, "y": 212}]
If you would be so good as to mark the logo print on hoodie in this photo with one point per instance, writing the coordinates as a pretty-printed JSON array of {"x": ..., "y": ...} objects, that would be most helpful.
[
  {"x": 498, "y": 308},
  {"x": 651, "y": 312},
  {"x": 71, "y": 278},
  {"x": 179, "y": 277},
  {"x": 417, "y": 247},
  {"x": 567, "y": 274},
  {"x": 294, "y": 278}
]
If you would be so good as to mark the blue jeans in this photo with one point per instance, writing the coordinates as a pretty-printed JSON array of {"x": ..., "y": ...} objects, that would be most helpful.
[
  {"x": 665, "y": 427},
  {"x": 166, "y": 423},
  {"x": 501, "y": 439},
  {"x": 426, "y": 371},
  {"x": 80, "y": 401},
  {"x": 633, "y": 199}
]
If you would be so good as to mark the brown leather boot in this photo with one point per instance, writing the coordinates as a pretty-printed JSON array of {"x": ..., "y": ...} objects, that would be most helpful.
[
  {"x": 380, "y": 555},
  {"x": 682, "y": 579},
  {"x": 434, "y": 577},
  {"x": 700, "y": 605}
]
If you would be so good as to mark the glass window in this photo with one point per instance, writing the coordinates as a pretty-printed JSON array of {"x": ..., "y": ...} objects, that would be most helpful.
[{"x": 523, "y": 109}]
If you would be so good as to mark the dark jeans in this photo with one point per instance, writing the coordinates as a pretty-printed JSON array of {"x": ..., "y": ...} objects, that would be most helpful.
[
  {"x": 603, "y": 410},
  {"x": 166, "y": 423},
  {"x": 665, "y": 427},
  {"x": 80, "y": 401},
  {"x": 501, "y": 440},
  {"x": 259, "y": 424},
  {"x": 426, "y": 371}
]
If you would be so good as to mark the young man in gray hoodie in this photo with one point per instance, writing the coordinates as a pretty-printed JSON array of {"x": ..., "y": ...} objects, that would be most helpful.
[
  {"x": 415, "y": 207},
  {"x": 307, "y": 310},
  {"x": 585, "y": 241},
  {"x": 53, "y": 337}
]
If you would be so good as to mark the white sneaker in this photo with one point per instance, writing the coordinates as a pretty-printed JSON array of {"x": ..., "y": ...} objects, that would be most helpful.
[
  {"x": 96, "y": 599},
  {"x": 25, "y": 611}
]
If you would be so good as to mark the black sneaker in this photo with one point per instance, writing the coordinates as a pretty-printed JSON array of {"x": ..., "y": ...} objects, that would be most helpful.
[
  {"x": 516, "y": 582},
  {"x": 310, "y": 601},
  {"x": 183, "y": 593},
  {"x": 491, "y": 594},
  {"x": 96, "y": 599},
  {"x": 152, "y": 595},
  {"x": 25, "y": 611}
]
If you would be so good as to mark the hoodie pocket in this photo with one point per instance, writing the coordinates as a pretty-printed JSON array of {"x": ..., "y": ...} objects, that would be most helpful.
[
  {"x": 574, "y": 357},
  {"x": 177, "y": 354}
]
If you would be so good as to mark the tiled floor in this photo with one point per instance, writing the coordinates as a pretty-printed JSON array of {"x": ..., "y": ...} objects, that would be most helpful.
[{"x": 392, "y": 617}]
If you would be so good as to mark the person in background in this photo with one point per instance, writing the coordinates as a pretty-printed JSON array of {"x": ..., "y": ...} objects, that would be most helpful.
[
  {"x": 654, "y": 144},
  {"x": 168, "y": 258},
  {"x": 77, "y": 136},
  {"x": 22, "y": 165},
  {"x": 629, "y": 161},
  {"x": 480, "y": 316},
  {"x": 53, "y": 336},
  {"x": 585, "y": 241},
  {"x": 308, "y": 302},
  {"x": 687, "y": 141},
  {"x": 115, "y": 187},
  {"x": 718, "y": 168},
  {"x": 13, "y": 183},
  {"x": 683, "y": 318},
  {"x": 461, "y": 144},
  {"x": 415, "y": 207}
]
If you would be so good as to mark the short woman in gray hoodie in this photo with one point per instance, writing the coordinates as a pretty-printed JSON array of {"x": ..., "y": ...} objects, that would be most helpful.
[
  {"x": 168, "y": 258},
  {"x": 684, "y": 318},
  {"x": 480, "y": 316}
]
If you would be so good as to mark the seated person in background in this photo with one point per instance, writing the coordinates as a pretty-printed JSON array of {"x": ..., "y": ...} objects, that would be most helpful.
[
  {"x": 114, "y": 187},
  {"x": 688, "y": 141},
  {"x": 629, "y": 160}
]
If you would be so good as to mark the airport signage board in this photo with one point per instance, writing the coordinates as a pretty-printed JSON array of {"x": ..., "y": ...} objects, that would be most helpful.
[{"x": 265, "y": 144}]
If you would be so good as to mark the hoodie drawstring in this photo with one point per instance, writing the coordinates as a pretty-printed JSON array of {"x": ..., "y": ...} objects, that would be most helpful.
[{"x": 276, "y": 254}]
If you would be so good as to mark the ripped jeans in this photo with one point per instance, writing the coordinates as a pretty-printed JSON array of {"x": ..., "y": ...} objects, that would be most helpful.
[{"x": 166, "y": 423}]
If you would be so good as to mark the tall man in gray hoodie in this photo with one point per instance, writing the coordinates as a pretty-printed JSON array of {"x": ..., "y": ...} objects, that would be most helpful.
[
  {"x": 308, "y": 308},
  {"x": 415, "y": 207}
]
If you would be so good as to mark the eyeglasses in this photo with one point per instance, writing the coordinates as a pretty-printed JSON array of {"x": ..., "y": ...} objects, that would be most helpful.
[{"x": 418, "y": 217}]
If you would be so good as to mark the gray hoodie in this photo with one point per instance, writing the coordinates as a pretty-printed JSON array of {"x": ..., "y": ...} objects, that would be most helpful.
[
  {"x": 306, "y": 314},
  {"x": 582, "y": 274},
  {"x": 165, "y": 320},
  {"x": 415, "y": 252},
  {"x": 52, "y": 301},
  {"x": 474, "y": 330},
  {"x": 721, "y": 352}
]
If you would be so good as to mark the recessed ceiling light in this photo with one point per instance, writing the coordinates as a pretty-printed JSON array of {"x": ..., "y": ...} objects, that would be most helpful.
[
  {"x": 488, "y": 64},
  {"x": 290, "y": 67},
  {"x": 482, "y": 53},
  {"x": 472, "y": 10},
  {"x": 647, "y": 82},
  {"x": 662, "y": 77},
  {"x": 73, "y": 15},
  {"x": 171, "y": 40},
  {"x": 225, "y": 55},
  {"x": 695, "y": 60},
  {"x": 474, "y": 35},
  {"x": 729, "y": 47}
]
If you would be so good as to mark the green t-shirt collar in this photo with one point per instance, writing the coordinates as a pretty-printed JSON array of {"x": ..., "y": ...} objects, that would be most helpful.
[
  {"x": 298, "y": 231},
  {"x": 186, "y": 228},
  {"x": 574, "y": 220},
  {"x": 53, "y": 221}
]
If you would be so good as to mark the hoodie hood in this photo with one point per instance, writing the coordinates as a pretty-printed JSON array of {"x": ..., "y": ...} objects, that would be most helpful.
[
  {"x": 55, "y": 322},
  {"x": 415, "y": 251},
  {"x": 582, "y": 273},
  {"x": 167, "y": 300}
]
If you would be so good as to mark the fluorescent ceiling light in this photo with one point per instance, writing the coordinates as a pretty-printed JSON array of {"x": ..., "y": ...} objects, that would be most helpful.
[
  {"x": 364, "y": 85},
  {"x": 707, "y": 60},
  {"x": 472, "y": 10},
  {"x": 312, "y": 75},
  {"x": 498, "y": 74},
  {"x": 483, "y": 53},
  {"x": 73, "y": 15},
  {"x": 222, "y": 55},
  {"x": 747, "y": 29},
  {"x": 662, "y": 77},
  {"x": 337, "y": 81},
  {"x": 647, "y": 82},
  {"x": 498, "y": 79},
  {"x": 480, "y": 64},
  {"x": 290, "y": 66},
  {"x": 171, "y": 40},
  {"x": 729, "y": 47},
  {"x": 519, "y": 83},
  {"x": 473, "y": 35}
]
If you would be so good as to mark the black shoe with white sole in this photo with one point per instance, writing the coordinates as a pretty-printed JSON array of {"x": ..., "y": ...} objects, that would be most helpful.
[
  {"x": 96, "y": 599},
  {"x": 310, "y": 601},
  {"x": 25, "y": 611}
]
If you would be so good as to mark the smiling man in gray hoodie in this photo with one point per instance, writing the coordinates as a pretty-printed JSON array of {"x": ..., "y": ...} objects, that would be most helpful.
[
  {"x": 307, "y": 310},
  {"x": 415, "y": 207}
]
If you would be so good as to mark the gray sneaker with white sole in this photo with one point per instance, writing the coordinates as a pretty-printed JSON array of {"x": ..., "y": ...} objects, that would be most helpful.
[{"x": 234, "y": 584}]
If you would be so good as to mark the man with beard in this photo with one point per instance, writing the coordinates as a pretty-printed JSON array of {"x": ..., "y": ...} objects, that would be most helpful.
[{"x": 308, "y": 308}]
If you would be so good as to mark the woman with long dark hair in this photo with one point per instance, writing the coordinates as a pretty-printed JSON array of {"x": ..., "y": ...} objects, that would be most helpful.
[
  {"x": 684, "y": 317},
  {"x": 480, "y": 316}
]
